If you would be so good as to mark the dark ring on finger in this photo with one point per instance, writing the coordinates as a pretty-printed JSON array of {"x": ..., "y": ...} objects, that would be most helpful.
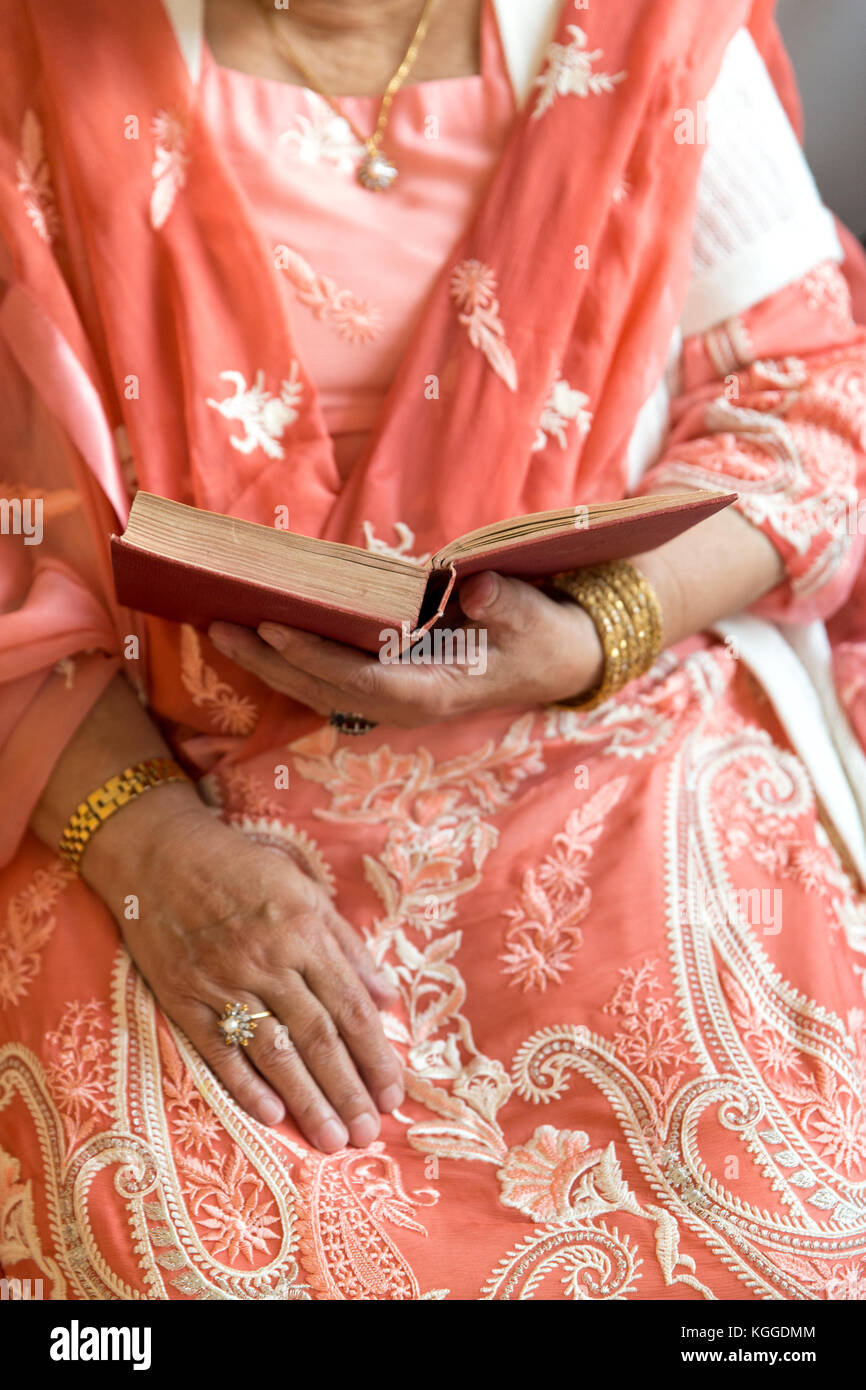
[{"x": 350, "y": 723}]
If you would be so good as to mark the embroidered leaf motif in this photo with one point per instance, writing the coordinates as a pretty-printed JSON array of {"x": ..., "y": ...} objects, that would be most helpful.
[
  {"x": 569, "y": 71},
  {"x": 170, "y": 160},
  {"x": 34, "y": 180},
  {"x": 354, "y": 319},
  {"x": 473, "y": 288},
  {"x": 231, "y": 713},
  {"x": 802, "y": 1179},
  {"x": 464, "y": 1134}
]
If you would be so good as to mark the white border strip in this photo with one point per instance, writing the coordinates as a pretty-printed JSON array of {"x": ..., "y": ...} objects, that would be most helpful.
[{"x": 778, "y": 258}]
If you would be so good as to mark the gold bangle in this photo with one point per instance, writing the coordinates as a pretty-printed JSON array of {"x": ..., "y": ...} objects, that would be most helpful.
[
  {"x": 102, "y": 803},
  {"x": 627, "y": 615}
]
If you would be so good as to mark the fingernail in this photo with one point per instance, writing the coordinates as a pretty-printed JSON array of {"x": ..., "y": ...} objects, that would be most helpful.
[
  {"x": 222, "y": 644},
  {"x": 274, "y": 636},
  {"x": 271, "y": 1111},
  {"x": 364, "y": 1129},
  {"x": 484, "y": 593},
  {"x": 333, "y": 1136},
  {"x": 391, "y": 1097}
]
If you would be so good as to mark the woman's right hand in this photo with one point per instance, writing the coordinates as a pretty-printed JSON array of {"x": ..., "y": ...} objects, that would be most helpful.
[{"x": 223, "y": 919}]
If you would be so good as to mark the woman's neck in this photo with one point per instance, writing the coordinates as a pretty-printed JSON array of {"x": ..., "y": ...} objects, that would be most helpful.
[
  {"x": 353, "y": 46},
  {"x": 330, "y": 16}
]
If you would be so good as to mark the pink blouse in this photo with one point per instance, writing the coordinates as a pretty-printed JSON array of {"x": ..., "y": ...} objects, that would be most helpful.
[{"x": 359, "y": 265}]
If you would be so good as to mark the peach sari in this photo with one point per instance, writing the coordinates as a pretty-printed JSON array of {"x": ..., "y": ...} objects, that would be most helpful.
[{"x": 628, "y": 952}]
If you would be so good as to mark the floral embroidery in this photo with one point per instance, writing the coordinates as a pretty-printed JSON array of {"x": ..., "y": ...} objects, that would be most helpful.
[
  {"x": 557, "y": 1177},
  {"x": 826, "y": 288},
  {"x": 231, "y": 1204},
  {"x": 544, "y": 931},
  {"x": 344, "y": 1246},
  {"x": 170, "y": 161},
  {"x": 323, "y": 137},
  {"x": 230, "y": 712},
  {"x": 264, "y": 418},
  {"x": 19, "y": 1233},
  {"x": 29, "y": 923},
  {"x": 473, "y": 288},
  {"x": 356, "y": 320},
  {"x": 562, "y": 407},
  {"x": 649, "y": 1039},
  {"x": 78, "y": 1069},
  {"x": 569, "y": 71},
  {"x": 34, "y": 180},
  {"x": 401, "y": 551}
]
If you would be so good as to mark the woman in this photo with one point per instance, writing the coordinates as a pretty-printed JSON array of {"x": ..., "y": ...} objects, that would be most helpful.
[{"x": 552, "y": 1001}]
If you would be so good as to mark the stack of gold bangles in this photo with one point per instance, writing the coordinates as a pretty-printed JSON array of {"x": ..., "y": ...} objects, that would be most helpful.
[{"x": 628, "y": 618}]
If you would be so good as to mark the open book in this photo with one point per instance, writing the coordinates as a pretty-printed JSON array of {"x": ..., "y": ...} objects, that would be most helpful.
[{"x": 196, "y": 567}]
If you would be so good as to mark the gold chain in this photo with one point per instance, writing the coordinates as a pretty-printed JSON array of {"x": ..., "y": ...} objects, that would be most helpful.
[{"x": 373, "y": 141}]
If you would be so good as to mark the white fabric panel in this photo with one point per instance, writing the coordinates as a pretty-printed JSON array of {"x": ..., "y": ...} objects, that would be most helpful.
[
  {"x": 797, "y": 702},
  {"x": 526, "y": 28},
  {"x": 187, "y": 20},
  {"x": 760, "y": 222}
]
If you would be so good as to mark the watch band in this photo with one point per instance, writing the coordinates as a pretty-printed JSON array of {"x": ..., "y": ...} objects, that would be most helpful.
[{"x": 114, "y": 793}]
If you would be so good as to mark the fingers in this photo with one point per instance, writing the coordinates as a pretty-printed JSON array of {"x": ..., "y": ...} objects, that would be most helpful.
[
  {"x": 508, "y": 605},
  {"x": 383, "y": 992},
  {"x": 313, "y": 1070},
  {"x": 231, "y": 1064},
  {"x": 254, "y": 655},
  {"x": 350, "y": 1010}
]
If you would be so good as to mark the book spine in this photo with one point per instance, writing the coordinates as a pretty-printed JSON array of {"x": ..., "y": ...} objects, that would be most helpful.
[{"x": 188, "y": 593}]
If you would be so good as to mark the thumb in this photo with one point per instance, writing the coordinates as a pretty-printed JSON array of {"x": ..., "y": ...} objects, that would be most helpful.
[{"x": 496, "y": 602}]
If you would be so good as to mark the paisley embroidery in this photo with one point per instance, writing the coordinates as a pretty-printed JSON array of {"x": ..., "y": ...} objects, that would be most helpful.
[
  {"x": 343, "y": 1242},
  {"x": 473, "y": 288},
  {"x": 230, "y": 712},
  {"x": 569, "y": 71},
  {"x": 219, "y": 1207}
]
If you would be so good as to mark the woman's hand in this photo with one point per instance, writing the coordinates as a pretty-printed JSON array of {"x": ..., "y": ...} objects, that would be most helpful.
[
  {"x": 222, "y": 919},
  {"x": 535, "y": 651}
]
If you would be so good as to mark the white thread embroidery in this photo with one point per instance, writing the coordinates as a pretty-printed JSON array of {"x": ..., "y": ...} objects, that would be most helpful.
[
  {"x": 34, "y": 180},
  {"x": 562, "y": 406},
  {"x": 355, "y": 319},
  {"x": 323, "y": 137},
  {"x": 568, "y": 71},
  {"x": 473, "y": 288},
  {"x": 402, "y": 551},
  {"x": 263, "y": 417},
  {"x": 170, "y": 160}
]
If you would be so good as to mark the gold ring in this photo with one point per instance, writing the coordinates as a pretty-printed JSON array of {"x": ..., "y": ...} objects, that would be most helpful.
[{"x": 237, "y": 1024}]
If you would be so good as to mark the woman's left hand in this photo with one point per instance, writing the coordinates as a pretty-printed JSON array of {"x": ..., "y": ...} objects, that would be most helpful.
[{"x": 530, "y": 650}]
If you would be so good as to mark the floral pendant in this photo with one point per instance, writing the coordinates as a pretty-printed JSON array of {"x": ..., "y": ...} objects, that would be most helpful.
[{"x": 376, "y": 172}]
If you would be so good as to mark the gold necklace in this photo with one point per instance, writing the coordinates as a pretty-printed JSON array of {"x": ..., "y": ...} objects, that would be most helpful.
[{"x": 376, "y": 171}]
